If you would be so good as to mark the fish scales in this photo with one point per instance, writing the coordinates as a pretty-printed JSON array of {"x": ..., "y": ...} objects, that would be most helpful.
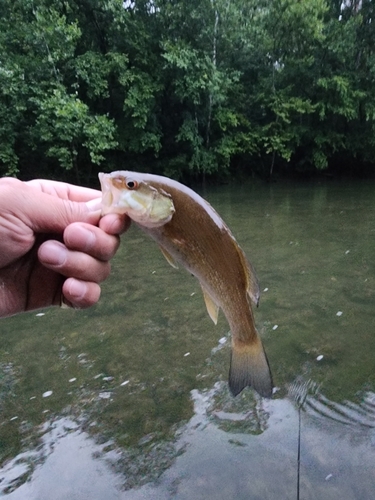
[{"x": 192, "y": 234}]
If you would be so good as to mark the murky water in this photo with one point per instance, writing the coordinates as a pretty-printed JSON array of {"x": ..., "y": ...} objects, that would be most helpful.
[{"x": 129, "y": 399}]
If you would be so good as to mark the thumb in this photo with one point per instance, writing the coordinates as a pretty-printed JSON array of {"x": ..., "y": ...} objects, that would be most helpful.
[
  {"x": 50, "y": 213},
  {"x": 53, "y": 215}
]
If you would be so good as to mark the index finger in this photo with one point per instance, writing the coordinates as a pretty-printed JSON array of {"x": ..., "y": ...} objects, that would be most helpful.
[{"x": 114, "y": 223}]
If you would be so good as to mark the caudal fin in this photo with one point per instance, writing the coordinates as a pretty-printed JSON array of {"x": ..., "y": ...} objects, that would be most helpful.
[{"x": 249, "y": 367}]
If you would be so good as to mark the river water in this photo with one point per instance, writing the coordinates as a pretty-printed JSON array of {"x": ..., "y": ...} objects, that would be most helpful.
[{"x": 129, "y": 400}]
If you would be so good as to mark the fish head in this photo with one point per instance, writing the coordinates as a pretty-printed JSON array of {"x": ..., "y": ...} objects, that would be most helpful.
[{"x": 129, "y": 193}]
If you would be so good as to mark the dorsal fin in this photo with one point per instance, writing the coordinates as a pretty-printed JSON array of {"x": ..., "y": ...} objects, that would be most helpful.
[{"x": 212, "y": 307}]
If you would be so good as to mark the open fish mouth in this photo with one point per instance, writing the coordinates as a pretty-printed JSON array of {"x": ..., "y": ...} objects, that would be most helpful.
[{"x": 107, "y": 196}]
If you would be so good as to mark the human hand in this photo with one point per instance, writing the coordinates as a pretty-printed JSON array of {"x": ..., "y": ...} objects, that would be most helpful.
[{"x": 54, "y": 247}]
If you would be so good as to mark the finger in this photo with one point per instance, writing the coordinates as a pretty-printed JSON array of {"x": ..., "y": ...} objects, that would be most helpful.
[
  {"x": 64, "y": 190},
  {"x": 51, "y": 212},
  {"x": 114, "y": 223},
  {"x": 91, "y": 240},
  {"x": 80, "y": 294},
  {"x": 70, "y": 263}
]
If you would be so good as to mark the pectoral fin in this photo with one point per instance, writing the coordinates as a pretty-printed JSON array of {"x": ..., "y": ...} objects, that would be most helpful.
[
  {"x": 212, "y": 307},
  {"x": 169, "y": 257}
]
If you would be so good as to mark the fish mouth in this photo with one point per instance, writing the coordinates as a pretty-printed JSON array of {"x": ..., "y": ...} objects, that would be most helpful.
[{"x": 107, "y": 196}]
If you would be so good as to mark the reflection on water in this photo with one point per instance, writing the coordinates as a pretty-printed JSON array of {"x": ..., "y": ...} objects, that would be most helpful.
[
  {"x": 205, "y": 460},
  {"x": 129, "y": 399}
]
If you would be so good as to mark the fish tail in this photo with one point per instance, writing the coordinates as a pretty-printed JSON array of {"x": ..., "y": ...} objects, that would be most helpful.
[{"x": 249, "y": 367}]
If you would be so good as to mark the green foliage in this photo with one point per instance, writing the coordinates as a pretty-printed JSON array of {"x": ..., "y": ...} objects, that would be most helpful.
[
  {"x": 37, "y": 52},
  {"x": 188, "y": 88},
  {"x": 64, "y": 123}
]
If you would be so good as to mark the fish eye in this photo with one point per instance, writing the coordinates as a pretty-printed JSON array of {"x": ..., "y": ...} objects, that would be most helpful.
[{"x": 130, "y": 184}]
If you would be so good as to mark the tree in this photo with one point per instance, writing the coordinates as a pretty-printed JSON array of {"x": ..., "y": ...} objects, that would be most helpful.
[
  {"x": 38, "y": 45},
  {"x": 188, "y": 88}
]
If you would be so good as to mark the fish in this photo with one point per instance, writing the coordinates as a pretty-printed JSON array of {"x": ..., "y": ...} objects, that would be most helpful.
[{"x": 192, "y": 234}]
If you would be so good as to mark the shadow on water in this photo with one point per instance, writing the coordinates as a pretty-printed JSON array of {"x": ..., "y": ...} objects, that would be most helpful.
[{"x": 129, "y": 400}]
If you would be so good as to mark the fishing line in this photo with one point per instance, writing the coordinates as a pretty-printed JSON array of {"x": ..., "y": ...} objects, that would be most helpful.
[
  {"x": 299, "y": 391},
  {"x": 299, "y": 451}
]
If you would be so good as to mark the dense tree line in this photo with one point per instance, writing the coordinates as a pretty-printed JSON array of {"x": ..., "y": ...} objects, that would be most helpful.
[{"x": 185, "y": 87}]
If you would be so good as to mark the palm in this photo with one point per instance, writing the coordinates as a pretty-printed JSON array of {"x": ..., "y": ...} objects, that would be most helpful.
[{"x": 27, "y": 284}]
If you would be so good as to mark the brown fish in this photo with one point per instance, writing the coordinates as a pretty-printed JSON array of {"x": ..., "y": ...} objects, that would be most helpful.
[{"x": 190, "y": 232}]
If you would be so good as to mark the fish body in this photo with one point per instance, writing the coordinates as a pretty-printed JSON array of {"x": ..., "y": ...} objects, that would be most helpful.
[{"x": 191, "y": 233}]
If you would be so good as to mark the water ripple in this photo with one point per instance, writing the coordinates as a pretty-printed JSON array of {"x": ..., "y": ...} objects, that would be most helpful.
[{"x": 307, "y": 395}]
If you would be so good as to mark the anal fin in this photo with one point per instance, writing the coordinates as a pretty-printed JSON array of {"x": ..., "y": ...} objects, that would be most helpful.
[
  {"x": 252, "y": 280},
  {"x": 212, "y": 307}
]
